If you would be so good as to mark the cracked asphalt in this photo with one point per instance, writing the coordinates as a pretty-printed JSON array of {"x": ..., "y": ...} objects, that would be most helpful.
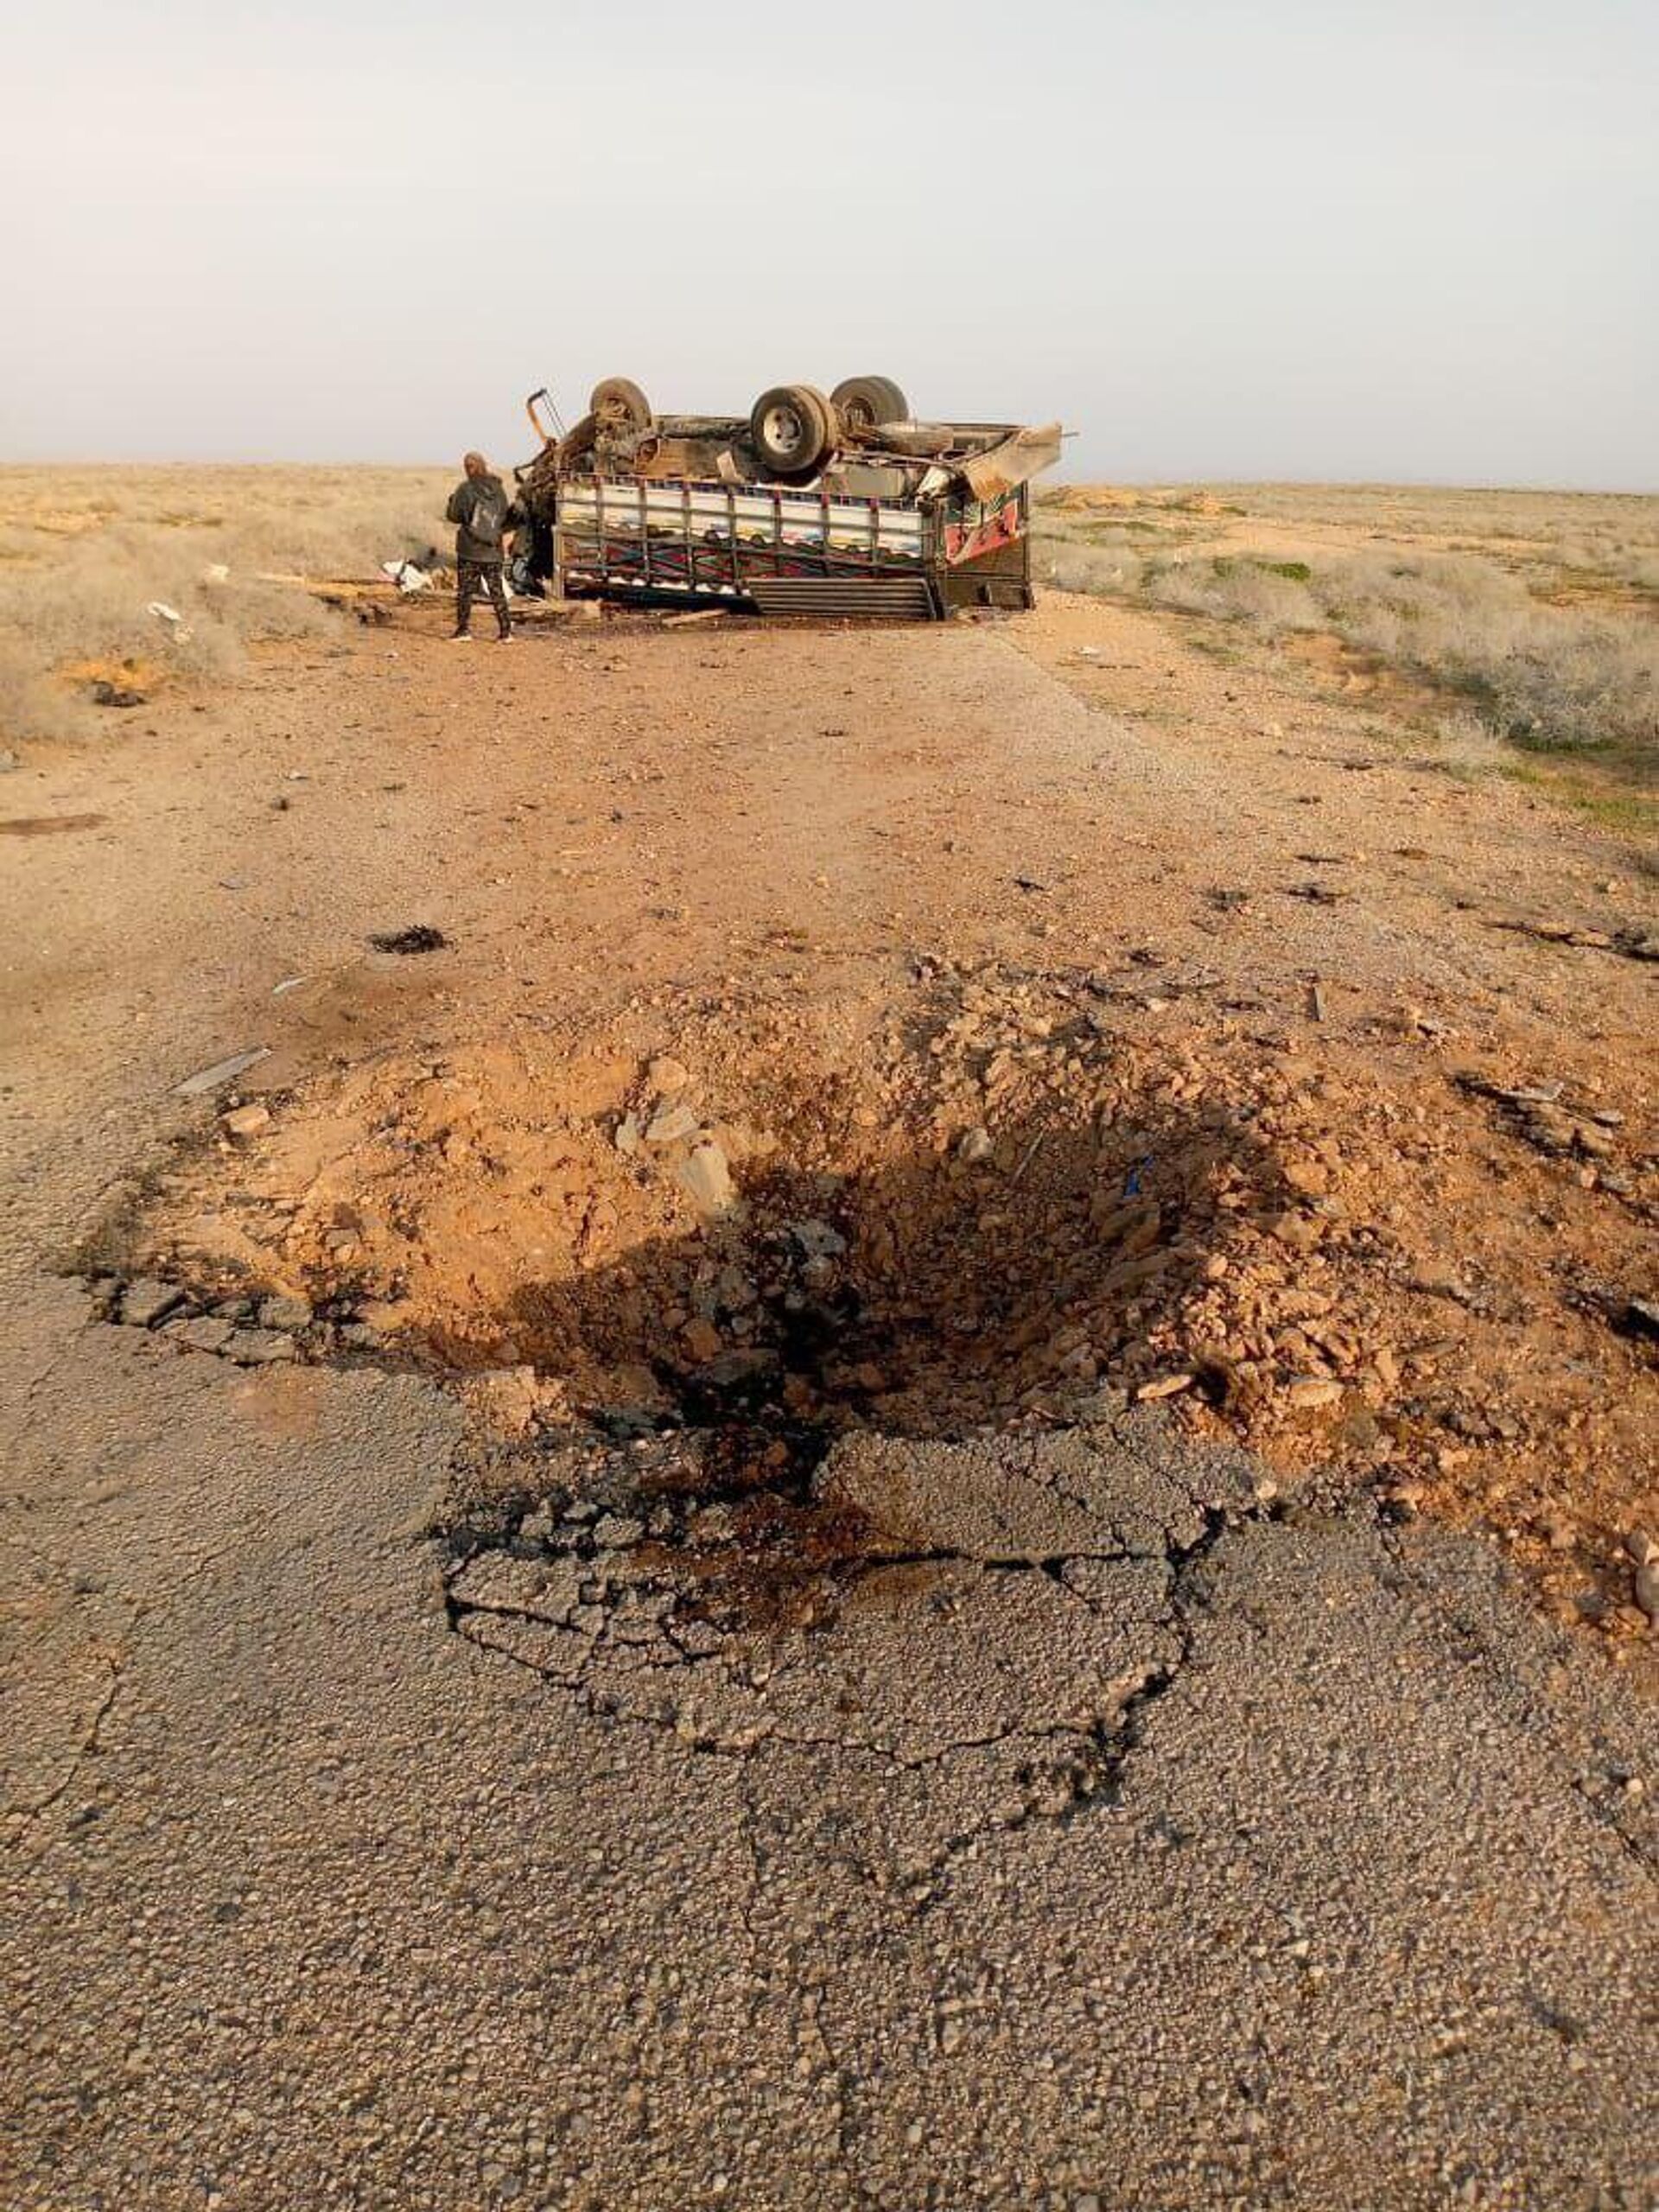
[
  {"x": 1300, "y": 1868},
  {"x": 1067, "y": 1823},
  {"x": 980, "y": 1624}
]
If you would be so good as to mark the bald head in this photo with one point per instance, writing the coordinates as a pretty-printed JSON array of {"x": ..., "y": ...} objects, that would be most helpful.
[{"x": 475, "y": 464}]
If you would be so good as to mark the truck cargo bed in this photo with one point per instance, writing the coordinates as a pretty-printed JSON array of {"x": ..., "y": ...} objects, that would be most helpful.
[{"x": 782, "y": 549}]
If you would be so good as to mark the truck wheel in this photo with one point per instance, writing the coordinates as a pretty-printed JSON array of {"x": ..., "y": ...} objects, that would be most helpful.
[
  {"x": 864, "y": 402},
  {"x": 794, "y": 429},
  {"x": 618, "y": 398}
]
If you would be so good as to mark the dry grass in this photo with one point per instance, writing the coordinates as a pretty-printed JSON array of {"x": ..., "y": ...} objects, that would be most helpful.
[
  {"x": 1537, "y": 612},
  {"x": 84, "y": 553}
]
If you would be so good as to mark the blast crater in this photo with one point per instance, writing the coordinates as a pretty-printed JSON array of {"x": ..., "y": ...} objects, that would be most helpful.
[{"x": 582, "y": 1245}]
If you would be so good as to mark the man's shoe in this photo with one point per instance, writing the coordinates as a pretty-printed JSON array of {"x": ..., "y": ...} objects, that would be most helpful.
[
  {"x": 461, "y": 638},
  {"x": 506, "y": 638}
]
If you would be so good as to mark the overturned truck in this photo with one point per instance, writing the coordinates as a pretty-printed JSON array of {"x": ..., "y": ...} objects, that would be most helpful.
[{"x": 808, "y": 505}]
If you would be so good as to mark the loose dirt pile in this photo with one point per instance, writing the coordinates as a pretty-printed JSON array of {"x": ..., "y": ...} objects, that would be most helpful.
[{"x": 998, "y": 1199}]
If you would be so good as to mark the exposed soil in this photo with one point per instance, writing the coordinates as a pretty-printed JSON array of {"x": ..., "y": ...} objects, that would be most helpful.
[
  {"x": 866, "y": 1030},
  {"x": 977, "y": 1207}
]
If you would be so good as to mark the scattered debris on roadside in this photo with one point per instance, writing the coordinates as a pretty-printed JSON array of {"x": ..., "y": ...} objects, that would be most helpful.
[
  {"x": 1633, "y": 942},
  {"x": 1318, "y": 895},
  {"x": 177, "y": 628},
  {"x": 410, "y": 580},
  {"x": 419, "y": 937},
  {"x": 1549, "y": 1121},
  {"x": 221, "y": 1071}
]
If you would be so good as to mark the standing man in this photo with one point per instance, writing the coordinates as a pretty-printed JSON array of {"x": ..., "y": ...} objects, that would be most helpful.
[{"x": 482, "y": 514}]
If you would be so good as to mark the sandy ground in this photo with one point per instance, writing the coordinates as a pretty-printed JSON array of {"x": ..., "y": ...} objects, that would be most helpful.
[{"x": 1140, "y": 1027}]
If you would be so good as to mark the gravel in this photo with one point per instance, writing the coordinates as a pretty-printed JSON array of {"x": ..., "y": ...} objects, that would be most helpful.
[{"x": 311, "y": 1896}]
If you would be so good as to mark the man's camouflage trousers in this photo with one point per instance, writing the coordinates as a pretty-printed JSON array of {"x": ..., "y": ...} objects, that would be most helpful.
[{"x": 472, "y": 577}]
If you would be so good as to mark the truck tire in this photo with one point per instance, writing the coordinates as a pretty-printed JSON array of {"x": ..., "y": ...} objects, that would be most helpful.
[
  {"x": 617, "y": 396},
  {"x": 865, "y": 402},
  {"x": 794, "y": 431}
]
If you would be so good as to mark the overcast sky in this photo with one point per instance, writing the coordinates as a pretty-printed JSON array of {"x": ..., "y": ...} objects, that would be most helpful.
[{"x": 1317, "y": 238}]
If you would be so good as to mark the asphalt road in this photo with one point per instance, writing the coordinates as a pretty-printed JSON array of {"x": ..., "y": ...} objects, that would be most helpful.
[
  {"x": 1117, "y": 1837},
  {"x": 1301, "y": 1867}
]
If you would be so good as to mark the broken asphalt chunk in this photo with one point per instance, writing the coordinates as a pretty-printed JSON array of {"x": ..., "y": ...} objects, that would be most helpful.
[{"x": 147, "y": 1301}]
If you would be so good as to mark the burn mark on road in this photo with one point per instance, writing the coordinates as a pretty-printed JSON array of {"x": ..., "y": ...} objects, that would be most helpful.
[{"x": 988, "y": 1623}]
